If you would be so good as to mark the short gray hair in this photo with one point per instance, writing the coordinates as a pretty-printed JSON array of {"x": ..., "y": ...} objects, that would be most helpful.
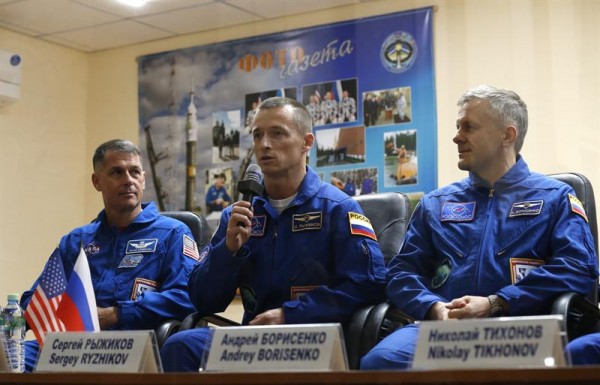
[
  {"x": 118, "y": 145},
  {"x": 300, "y": 114},
  {"x": 509, "y": 107}
]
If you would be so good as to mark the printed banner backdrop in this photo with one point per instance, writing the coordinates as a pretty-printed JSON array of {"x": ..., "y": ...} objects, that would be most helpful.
[{"x": 369, "y": 84}]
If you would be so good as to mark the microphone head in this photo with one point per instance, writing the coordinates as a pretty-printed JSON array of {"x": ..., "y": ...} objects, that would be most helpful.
[
  {"x": 253, "y": 172},
  {"x": 251, "y": 185}
]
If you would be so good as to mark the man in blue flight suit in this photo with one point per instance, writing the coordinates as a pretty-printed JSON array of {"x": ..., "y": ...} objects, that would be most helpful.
[
  {"x": 584, "y": 350},
  {"x": 303, "y": 252},
  {"x": 139, "y": 260},
  {"x": 503, "y": 242},
  {"x": 216, "y": 196}
]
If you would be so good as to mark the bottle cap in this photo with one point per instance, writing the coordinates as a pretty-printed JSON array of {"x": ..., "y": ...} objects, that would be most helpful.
[{"x": 13, "y": 297}]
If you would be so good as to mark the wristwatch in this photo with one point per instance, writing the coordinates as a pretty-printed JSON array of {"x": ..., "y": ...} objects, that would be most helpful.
[{"x": 495, "y": 307}]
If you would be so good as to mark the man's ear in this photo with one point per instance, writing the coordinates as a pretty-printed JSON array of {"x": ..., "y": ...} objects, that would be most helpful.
[
  {"x": 510, "y": 135},
  {"x": 96, "y": 181},
  {"x": 309, "y": 140}
]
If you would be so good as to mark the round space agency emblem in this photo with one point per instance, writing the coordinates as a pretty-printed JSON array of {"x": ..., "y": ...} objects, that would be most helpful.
[
  {"x": 398, "y": 52},
  {"x": 91, "y": 248}
]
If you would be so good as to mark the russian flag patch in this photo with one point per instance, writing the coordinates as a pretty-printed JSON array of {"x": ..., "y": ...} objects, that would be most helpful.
[
  {"x": 577, "y": 206},
  {"x": 361, "y": 225}
]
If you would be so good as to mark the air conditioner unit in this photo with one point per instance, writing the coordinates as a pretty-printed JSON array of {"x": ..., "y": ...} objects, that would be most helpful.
[{"x": 10, "y": 77}]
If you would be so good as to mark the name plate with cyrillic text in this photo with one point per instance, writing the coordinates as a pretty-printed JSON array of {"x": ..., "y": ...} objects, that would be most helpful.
[
  {"x": 108, "y": 351},
  {"x": 505, "y": 342},
  {"x": 308, "y": 347}
]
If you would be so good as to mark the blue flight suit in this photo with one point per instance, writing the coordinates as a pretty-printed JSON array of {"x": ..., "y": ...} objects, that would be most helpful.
[
  {"x": 584, "y": 350},
  {"x": 142, "y": 270},
  {"x": 317, "y": 260},
  {"x": 526, "y": 239}
]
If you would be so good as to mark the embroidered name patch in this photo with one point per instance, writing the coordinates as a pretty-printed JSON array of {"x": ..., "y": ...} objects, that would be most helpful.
[
  {"x": 520, "y": 267},
  {"x": 141, "y": 246},
  {"x": 577, "y": 206},
  {"x": 361, "y": 225},
  {"x": 142, "y": 285},
  {"x": 458, "y": 212},
  {"x": 526, "y": 208},
  {"x": 298, "y": 291},
  {"x": 307, "y": 221},
  {"x": 259, "y": 224},
  {"x": 130, "y": 260}
]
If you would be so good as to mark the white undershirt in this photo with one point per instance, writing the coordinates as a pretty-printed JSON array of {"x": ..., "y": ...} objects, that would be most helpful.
[{"x": 281, "y": 204}]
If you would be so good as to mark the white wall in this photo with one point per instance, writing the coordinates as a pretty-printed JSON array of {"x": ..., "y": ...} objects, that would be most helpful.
[
  {"x": 44, "y": 163},
  {"x": 547, "y": 51}
]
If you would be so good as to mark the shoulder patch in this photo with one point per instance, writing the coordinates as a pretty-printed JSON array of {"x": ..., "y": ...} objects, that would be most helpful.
[
  {"x": 205, "y": 251},
  {"x": 298, "y": 291},
  {"x": 520, "y": 267},
  {"x": 142, "y": 285},
  {"x": 577, "y": 206},
  {"x": 361, "y": 225},
  {"x": 190, "y": 248}
]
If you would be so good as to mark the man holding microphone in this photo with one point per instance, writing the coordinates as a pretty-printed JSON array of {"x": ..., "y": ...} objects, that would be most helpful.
[{"x": 301, "y": 252}]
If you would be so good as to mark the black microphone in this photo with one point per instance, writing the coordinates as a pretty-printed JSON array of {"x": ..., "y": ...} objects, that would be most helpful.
[{"x": 251, "y": 185}]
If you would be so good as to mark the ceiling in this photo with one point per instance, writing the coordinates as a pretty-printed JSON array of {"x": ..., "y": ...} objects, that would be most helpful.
[{"x": 93, "y": 25}]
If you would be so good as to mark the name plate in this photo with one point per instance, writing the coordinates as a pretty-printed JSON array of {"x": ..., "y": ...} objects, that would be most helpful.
[
  {"x": 307, "y": 347},
  {"x": 505, "y": 342},
  {"x": 108, "y": 351}
]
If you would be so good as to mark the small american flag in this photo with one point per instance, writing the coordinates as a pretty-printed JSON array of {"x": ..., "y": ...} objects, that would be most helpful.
[
  {"x": 41, "y": 311},
  {"x": 190, "y": 248}
]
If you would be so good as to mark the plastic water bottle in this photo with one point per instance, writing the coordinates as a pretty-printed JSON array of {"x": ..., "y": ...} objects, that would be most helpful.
[{"x": 14, "y": 333}]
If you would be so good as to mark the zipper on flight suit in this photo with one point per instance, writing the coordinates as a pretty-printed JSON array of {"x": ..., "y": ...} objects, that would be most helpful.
[{"x": 484, "y": 239}]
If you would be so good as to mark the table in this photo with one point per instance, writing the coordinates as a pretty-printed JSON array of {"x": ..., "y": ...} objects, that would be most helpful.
[{"x": 557, "y": 376}]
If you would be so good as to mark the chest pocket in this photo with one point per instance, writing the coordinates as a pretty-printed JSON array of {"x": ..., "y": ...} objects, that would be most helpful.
[
  {"x": 526, "y": 237},
  {"x": 312, "y": 272},
  {"x": 455, "y": 240}
]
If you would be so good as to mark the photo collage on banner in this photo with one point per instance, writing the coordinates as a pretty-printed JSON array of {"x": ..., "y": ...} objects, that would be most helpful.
[{"x": 367, "y": 83}]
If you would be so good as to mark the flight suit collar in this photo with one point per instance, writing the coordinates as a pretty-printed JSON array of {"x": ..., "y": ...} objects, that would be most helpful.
[
  {"x": 518, "y": 172},
  {"x": 148, "y": 214},
  {"x": 308, "y": 189}
]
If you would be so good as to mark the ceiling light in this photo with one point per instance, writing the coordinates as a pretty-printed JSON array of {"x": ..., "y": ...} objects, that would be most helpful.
[{"x": 134, "y": 3}]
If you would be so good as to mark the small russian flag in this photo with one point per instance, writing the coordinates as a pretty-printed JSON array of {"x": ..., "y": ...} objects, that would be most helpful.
[
  {"x": 78, "y": 309},
  {"x": 360, "y": 225},
  {"x": 577, "y": 206}
]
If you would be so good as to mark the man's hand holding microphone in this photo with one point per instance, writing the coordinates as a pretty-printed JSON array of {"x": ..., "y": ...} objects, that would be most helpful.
[
  {"x": 240, "y": 222},
  {"x": 240, "y": 227}
]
